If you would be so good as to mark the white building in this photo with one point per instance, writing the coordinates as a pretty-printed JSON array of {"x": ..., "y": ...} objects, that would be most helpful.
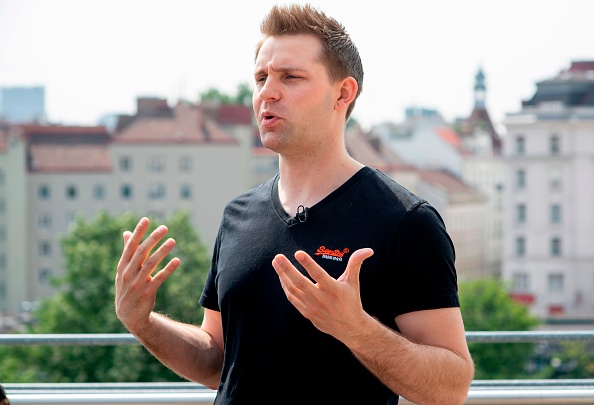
[
  {"x": 157, "y": 161},
  {"x": 483, "y": 169},
  {"x": 425, "y": 140},
  {"x": 549, "y": 195}
]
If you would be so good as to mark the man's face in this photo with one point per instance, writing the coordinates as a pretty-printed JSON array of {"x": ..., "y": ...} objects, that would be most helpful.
[{"x": 294, "y": 97}]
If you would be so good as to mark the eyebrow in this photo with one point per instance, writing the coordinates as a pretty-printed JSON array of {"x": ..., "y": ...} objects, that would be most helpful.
[{"x": 282, "y": 69}]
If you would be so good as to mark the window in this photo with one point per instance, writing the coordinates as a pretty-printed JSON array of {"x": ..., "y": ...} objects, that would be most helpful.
[
  {"x": 186, "y": 192},
  {"x": 2, "y": 233},
  {"x": 71, "y": 192},
  {"x": 99, "y": 192},
  {"x": 156, "y": 164},
  {"x": 43, "y": 192},
  {"x": 520, "y": 246},
  {"x": 125, "y": 163},
  {"x": 556, "y": 283},
  {"x": 555, "y": 181},
  {"x": 44, "y": 220},
  {"x": 520, "y": 145},
  {"x": 554, "y": 145},
  {"x": 2, "y": 177},
  {"x": 185, "y": 163},
  {"x": 126, "y": 191},
  {"x": 70, "y": 219},
  {"x": 521, "y": 282},
  {"x": 2, "y": 205},
  {"x": 44, "y": 276},
  {"x": 520, "y": 179},
  {"x": 556, "y": 246},
  {"x": 2, "y": 262},
  {"x": 521, "y": 213},
  {"x": 555, "y": 214},
  {"x": 45, "y": 248},
  {"x": 156, "y": 191}
]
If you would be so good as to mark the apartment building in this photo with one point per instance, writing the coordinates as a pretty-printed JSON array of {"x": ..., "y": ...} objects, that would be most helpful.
[
  {"x": 549, "y": 195},
  {"x": 160, "y": 159},
  {"x": 482, "y": 168}
]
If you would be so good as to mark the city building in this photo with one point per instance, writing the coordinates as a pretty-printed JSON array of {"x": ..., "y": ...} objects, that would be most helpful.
[
  {"x": 22, "y": 104},
  {"x": 160, "y": 159},
  {"x": 425, "y": 140},
  {"x": 483, "y": 169},
  {"x": 548, "y": 198}
]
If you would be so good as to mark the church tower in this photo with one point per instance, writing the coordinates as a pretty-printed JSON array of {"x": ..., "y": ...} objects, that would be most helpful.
[{"x": 477, "y": 130}]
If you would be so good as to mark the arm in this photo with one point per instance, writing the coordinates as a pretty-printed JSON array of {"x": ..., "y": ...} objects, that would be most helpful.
[
  {"x": 195, "y": 353},
  {"x": 427, "y": 363}
]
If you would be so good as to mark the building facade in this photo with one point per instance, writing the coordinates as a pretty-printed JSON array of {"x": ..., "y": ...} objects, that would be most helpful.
[
  {"x": 157, "y": 161},
  {"x": 548, "y": 199},
  {"x": 483, "y": 169}
]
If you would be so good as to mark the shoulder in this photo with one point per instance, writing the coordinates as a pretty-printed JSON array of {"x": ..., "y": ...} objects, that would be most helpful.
[
  {"x": 382, "y": 187},
  {"x": 398, "y": 205},
  {"x": 252, "y": 198},
  {"x": 384, "y": 198}
]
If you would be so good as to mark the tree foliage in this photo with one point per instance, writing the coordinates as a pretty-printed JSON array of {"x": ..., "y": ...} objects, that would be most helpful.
[
  {"x": 243, "y": 95},
  {"x": 85, "y": 304},
  {"x": 564, "y": 360},
  {"x": 486, "y": 306}
]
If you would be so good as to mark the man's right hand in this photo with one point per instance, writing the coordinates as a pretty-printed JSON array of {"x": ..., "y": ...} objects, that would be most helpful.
[{"x": 136, "y": 287}]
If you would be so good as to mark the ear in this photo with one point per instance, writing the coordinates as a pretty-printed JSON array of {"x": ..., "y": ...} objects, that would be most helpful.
[{"x": 347, "y": 91}]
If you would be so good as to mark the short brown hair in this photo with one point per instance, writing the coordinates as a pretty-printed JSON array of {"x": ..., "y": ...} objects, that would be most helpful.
[{"x": 339, "y": 54}]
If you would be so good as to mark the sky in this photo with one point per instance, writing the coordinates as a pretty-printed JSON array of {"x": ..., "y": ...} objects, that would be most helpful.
[{"x": 96, "y": 57}]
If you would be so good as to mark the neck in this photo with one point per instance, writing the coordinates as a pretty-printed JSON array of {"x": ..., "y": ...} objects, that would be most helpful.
[{"x": 308, "y": 180}]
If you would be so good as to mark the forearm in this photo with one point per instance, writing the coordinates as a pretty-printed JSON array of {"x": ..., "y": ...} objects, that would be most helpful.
[
  {"x": 422, "y": 374},
  {"x": 186, "y": 349}
]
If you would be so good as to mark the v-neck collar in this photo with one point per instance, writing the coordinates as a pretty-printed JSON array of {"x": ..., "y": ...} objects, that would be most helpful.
[{"x": 291, "y": 220}]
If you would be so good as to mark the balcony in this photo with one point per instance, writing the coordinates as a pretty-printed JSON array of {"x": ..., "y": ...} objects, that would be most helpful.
[{"x": 491, "y": 392}]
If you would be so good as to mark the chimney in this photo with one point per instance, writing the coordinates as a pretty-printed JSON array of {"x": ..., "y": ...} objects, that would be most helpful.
[{"x": 147, "y": 105}]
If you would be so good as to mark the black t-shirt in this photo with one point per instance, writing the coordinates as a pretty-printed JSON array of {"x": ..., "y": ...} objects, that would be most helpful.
[{"x": 273, "y": 355}]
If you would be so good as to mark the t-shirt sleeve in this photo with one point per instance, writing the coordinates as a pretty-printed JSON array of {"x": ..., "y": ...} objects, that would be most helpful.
[
  {"x": 426, "y": 275},
  {"x": 210, "y": 297}
]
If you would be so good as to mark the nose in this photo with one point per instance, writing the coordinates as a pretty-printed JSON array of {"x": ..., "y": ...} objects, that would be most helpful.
[{"x": 270, "y": 90}]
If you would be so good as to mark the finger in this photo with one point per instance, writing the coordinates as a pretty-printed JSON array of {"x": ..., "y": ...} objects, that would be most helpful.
[
  {"x": 133, "y": 241},
  {"x": 144, "y": 249},
  {"x": 351, "y": 274},
  {"x": 153, "y": 261},
  {"x": 291, "y": 278},
  {"x": 317, "y": 273},
  {"x": 126, "y": 236},
  {"x": 166, "y": 271}
]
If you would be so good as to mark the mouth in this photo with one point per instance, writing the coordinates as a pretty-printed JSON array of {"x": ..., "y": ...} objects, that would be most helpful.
[{"x": 268, "y": 118}]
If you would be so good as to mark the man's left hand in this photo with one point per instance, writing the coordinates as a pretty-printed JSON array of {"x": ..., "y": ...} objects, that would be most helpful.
[{"x": 332, "y": 305}]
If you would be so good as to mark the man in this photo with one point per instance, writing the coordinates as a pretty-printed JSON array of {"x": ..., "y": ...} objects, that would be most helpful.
[
  {"x": 3, "y": 398},
  {"x": 353, "y": 299}
]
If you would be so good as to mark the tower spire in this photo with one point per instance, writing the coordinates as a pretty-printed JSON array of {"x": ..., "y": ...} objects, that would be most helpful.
[{"x": 479, "y": 89}]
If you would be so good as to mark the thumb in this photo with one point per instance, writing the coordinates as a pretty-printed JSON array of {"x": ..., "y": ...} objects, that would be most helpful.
[{"x": 355, "y": 262}]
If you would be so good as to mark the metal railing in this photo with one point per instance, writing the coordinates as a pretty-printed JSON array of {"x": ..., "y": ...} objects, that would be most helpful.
[
  {"x": 121, "y": 339},
  {"x": 498, "y": 392},
  {"x": 483, "y": 392}
]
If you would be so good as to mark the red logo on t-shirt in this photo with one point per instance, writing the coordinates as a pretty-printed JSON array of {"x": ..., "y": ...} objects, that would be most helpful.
[{"x": 331, "y": 254}]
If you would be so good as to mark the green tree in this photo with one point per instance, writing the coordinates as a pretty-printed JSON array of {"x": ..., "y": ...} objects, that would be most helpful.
[
  {"x": 486, "y": 306},
  {"x": 565, "y": 360},
  {"x": 242, "y": 96},
  {"x": 85, "y": 304}
]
